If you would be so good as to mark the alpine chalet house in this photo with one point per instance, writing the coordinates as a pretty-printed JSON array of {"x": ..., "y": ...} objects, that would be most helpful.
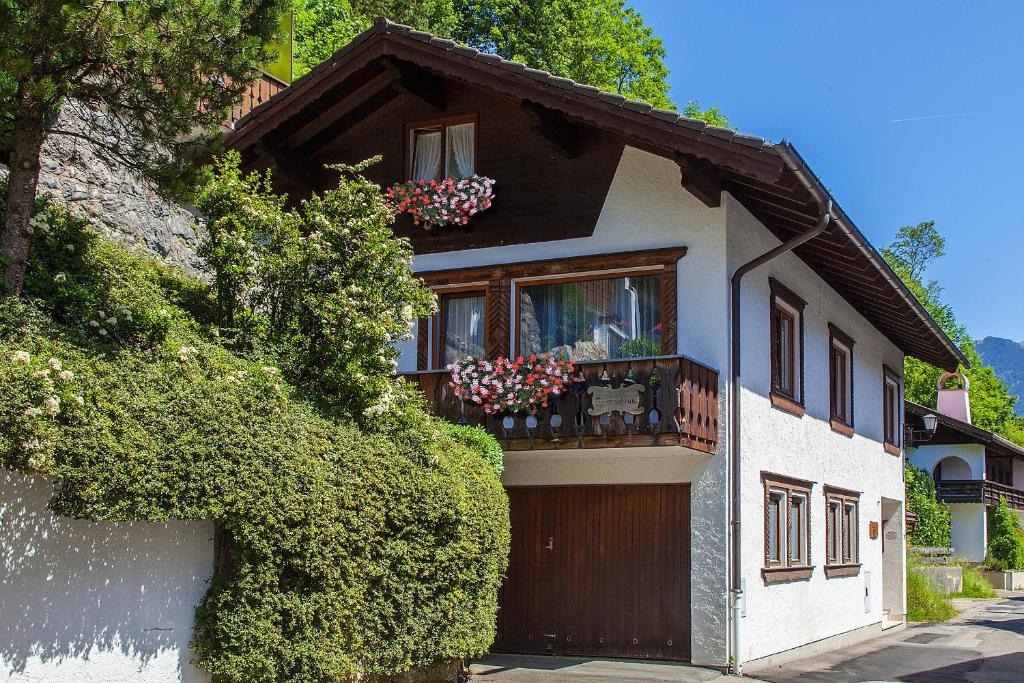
[
  {"x": 719, "y": 477},
  {"x": 972, "y": 467}
]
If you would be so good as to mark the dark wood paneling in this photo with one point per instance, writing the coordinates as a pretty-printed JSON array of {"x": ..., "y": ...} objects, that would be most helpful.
[{"x": 598, "y": 570}]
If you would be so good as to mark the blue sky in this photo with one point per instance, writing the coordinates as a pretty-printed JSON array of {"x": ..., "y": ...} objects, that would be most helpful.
[{"x": 908, "y": 111}]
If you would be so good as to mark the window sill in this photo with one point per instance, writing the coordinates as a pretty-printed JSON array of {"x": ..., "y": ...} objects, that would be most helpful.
[
  {"x": 891, "y": 449},
  {"x": 784, "y": 574},
  {"x": 836, "y": 570},
  {"x": 841, "y": 427},
  {"x": 787, "y": 405}
]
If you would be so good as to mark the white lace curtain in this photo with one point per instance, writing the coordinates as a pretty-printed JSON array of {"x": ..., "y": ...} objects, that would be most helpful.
[
  {"x": 460, "y": 150},
  {"x": 426, "y": 158}
]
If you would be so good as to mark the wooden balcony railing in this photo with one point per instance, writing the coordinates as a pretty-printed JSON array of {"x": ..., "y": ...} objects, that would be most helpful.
[
  {"x": 978, "y": 491},
  {"x": 265, "y": 87},
  {"x": 680, "y": 408}
]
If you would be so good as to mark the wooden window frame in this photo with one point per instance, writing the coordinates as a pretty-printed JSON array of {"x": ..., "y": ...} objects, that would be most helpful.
[
  {"x": 840, "y": 343},
  {"x": 443, "y": 124},
  {"x": 784, "y": 302},
  {"x": 498, "y": 281},
  {"x": 892, "y": 428},
  {"x": 519, "y": 283},
  {"x": 840, "y": 565},
  {"x": 437, "y": 327},
  {"x": 779, "y": 572}
]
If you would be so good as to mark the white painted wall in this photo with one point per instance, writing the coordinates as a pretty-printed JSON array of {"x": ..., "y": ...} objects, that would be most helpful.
[
  {"x": 783, "y": 616},
  {"x": 928, "y": 456},
  {"x": 969, "y": 530},
  {"x": 83, "y": 601}
]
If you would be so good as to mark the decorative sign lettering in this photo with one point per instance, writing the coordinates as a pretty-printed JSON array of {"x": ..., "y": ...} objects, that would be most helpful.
[{"x": 622, "y": 399}]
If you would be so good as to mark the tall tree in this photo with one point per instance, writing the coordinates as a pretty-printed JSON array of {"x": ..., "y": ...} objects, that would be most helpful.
[
  {"x": 147, "y": 73},
  {"x": 910, "y": 254},
  {"x": 603, "y": 43}
]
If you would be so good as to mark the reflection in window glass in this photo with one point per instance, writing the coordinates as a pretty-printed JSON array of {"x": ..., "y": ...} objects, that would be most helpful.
[
  {"x": 462, "y": 327},
  {"x": 592, "y": 319}
]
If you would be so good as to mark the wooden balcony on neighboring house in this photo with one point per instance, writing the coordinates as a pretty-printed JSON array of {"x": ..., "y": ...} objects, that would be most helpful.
[
  {"x": 978, "y": 491},
  {"x": 678, "y": 407},
  {"x": 261, "y": 90}
]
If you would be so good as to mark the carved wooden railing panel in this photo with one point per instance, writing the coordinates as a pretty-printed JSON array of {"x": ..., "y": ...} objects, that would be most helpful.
[
  {"x": 684, "y": 393},
  {"x": 261, "y": 90},
  {"x": 978, "y": 491}
]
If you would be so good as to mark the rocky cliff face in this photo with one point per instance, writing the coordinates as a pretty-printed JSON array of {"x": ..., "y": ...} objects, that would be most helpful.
[
  {"x": 1007, "y": 358},
  {"x": 116, "y": 200}
]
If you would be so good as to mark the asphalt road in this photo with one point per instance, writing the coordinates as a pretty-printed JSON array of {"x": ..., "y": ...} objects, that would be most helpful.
[{"x": 984, "y": 644}]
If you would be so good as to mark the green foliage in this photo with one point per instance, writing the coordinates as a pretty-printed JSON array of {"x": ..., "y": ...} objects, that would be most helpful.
[
  {"x": 326, "y": 289},
  {"x": 974, "y": 584},
  {"x": 924, "y": 602},
  {"x": 1005, "y": 538},
  {"x": 147, "y": 64},
  {"x": 343, "y": 553},
  {"x": 991, "y": 402},
  {"x": 713, "y": 116},
  {"x": 932, "y": 529},
  {"x": 603, "y": 43},
  {"x": 480, "y": 441},
  {"x": 639, "y": 348}
]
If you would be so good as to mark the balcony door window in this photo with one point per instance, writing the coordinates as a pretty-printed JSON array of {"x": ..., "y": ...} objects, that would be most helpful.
[
  {"x": 442, "y": 150},
  {"x": 591, "y": 319},
  {"x": 460, "y": 329}
]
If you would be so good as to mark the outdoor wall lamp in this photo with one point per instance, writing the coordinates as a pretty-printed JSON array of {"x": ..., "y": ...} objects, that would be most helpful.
[{"x": 916, "y": 436}]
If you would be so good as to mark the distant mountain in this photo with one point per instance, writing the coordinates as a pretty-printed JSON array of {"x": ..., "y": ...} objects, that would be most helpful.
[{"x": 1007, "y": 358}]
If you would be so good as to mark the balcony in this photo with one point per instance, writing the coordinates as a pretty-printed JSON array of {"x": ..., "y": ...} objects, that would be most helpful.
[
  {"x": 679, "y": 408},
  {"x": 978, "y": 491}
]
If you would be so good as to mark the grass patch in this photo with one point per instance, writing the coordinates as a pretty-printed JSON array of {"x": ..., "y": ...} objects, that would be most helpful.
[
  {"x": 924, "y": 603},
  {"x": 975, "y": 585}
]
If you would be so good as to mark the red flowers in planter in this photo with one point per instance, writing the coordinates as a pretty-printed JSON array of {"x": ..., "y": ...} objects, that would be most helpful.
[
  {"x": 442, "y": 202},
  {"x": 510, "y": 386}
]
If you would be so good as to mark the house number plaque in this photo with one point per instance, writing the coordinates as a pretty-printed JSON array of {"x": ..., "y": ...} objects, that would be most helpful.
[{"x": 622, "y": 399}]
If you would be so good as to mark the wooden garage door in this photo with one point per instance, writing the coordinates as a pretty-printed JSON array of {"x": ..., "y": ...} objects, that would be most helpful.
[{"x": 598, "y": 570}]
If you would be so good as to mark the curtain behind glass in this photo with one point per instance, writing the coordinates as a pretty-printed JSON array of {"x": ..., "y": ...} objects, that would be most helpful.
[
  {"x": 460, "y": 162},
  {"x": 426, "y": 158},
  {"x": 593, "y": 319},
  {"x": 463, "y": 327}
]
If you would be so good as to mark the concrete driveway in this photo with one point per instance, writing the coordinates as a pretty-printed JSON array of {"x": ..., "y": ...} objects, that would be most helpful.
[{"x": 984, "y": 644}]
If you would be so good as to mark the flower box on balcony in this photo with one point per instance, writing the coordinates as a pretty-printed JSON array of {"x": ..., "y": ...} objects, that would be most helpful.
[{"x": 437, "y": 203}]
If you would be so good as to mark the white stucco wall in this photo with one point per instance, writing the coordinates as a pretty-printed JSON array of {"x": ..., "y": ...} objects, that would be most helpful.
[
  {"x": 785, "y": 615},
  {"x": 969, "y": 530},
  {"x": 82, "y": 601},
  {"x": 928, "y": 456}
]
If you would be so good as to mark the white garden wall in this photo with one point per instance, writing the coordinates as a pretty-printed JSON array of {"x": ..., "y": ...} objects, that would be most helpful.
[
  {"x": 83, "y": 601},
  {"x": 782, "y": 616}
]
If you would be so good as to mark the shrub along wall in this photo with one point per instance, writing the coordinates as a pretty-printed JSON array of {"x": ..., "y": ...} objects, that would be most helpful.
[{"x": 346, "y": 551}]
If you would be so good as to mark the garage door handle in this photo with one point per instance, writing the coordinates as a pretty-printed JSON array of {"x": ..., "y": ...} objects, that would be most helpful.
[{"x": 551, "y": 543}]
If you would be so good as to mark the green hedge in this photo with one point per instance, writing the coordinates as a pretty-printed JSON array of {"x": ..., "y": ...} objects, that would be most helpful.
[{"x": 346, "y": 552}]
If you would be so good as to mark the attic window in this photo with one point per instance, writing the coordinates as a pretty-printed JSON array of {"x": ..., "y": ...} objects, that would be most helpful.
[{"x": 442, "y": 149}]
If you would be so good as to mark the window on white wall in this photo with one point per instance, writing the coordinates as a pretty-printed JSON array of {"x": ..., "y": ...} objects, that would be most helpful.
[
  {"x": 787, "y": 353},
  {"x": 842, "y": 532},
  {"x": 786, "y": 528},
  {"x": 840, "y": 377},
  {"x": 891, "y": 404}
]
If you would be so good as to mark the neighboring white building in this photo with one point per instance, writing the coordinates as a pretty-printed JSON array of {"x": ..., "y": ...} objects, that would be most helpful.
[
  {"x": 972, "y": 467},
  {"x": 615, "y": 233}
]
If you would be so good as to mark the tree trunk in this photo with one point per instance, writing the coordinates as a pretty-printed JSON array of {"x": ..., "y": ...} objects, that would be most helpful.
[{"x": 16, "y": 237}]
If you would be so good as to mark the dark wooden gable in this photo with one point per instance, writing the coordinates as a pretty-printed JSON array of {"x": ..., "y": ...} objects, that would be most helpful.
[{"x": 551, "y": 175}]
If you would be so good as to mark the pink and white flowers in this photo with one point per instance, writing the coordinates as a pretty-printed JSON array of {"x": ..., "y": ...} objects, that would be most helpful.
[
  {"x": 442, "y": 202},
  {"x": 510, "y": 385}
]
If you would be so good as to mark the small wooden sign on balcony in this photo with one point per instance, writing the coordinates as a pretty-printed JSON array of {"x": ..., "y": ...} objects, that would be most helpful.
[{"x": 622, "y": 399}]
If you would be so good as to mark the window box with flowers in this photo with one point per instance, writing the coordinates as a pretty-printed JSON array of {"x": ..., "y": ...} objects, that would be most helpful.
[
  {"x": 508, "y": 386},
  {"x": 438, "y": 203}
]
